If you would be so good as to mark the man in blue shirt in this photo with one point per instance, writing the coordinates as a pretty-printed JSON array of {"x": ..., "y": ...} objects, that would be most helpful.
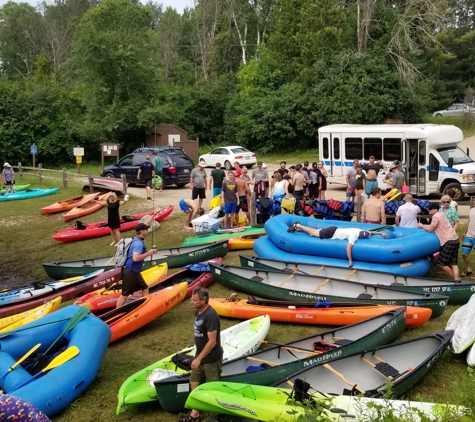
[
  {"x": 147, "y": 172},
  {"x": 132, "y": 279}
]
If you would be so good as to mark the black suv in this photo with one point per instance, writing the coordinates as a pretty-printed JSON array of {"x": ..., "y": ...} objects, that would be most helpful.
[{"x": 177, "y": 166}]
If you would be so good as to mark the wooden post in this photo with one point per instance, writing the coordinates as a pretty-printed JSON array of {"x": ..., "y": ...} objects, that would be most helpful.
[
  {"x": 91, "y": 181},
  {"x": 65, "y": 178},
  {"x": 40, "y": 173},
  {"x": 20, "y": 170},
  {"x": 124, "y": 183},
  {"x": 253, "y": 209}
]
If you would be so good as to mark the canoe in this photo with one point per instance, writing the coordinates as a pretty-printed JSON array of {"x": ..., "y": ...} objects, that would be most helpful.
[
  {"x": 107, "y": 299},
  {"x": 87, "y": 207},
  {"x": 238, "y": 340},
  {"x": 134, "y": 315},
  {"x": 60, "y": 386},
  {"x": 471, "y": 355},
  {"x": 218, "y": 236},
  {"x": 461, "y": 321},
  {"x": 41, "y": 289},
  {"x": 175, "y": 257},
  {"x": 107, "y": 184},
  {"x": 265, "y": 248},
  {"x": 398, "y": 366},
  {"x": 68, "y": 204},
  {"x": 458, "y": 292},
  {"x": 16, "y": 188},
  {"x": 28, "y": 194},
  {"x": 401, "y": 244},
  {"x": 324, "y": 313},
  {"x": 280, "y": 285},
  {"x": 285, "y": 404},
  {"x": 270, "y": 365},
  {"x": 243, "y": 242},
  {"x": 101, "y": 228},
  {"x": 14, "y": 321},
  {"x": 67, "y": 292}
]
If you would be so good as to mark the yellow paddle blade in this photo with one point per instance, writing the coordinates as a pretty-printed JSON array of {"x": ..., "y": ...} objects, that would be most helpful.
[
  {"x": 24, "y": 356},
  {"x": 68, "y": 354}
]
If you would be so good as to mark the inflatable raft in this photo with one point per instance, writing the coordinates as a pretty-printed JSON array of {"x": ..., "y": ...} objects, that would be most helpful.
[{"x": 402, "y": 244}]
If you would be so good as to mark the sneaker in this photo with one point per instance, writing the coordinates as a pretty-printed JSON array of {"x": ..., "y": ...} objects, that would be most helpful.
[
  {"x": 149, "y": 199},
  {"x": 293, "y": 227}
]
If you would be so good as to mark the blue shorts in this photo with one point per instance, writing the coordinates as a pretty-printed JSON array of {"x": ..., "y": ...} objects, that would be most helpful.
[
  {"x": 216, "y": 192},
  {"x": 467, "y": 245},
  {"x": 183, "y": 206},
  {"x": 350, "y": 192},
  {"x": 230, "y": 208},
  {"x": 370, "y": 184}
]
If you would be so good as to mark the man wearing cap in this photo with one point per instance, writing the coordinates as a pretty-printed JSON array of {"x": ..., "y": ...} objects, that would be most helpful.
[
  {"x": 198, "y": 184},
  {"x": 333, "y": 232},
  {"x": 394, "y": 178},
  {"x": 147, "y": 172},
  {"x": 8, "y": 178},
  {"x": 449, "y": 241},
  {"x": 132, "y": 280}
]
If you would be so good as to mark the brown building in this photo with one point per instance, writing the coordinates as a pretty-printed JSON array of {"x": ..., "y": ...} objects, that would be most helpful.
[{"x": 167, "y": 134}]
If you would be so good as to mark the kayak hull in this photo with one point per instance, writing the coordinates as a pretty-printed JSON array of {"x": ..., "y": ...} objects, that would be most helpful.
[{"x": 67, "y": 204}]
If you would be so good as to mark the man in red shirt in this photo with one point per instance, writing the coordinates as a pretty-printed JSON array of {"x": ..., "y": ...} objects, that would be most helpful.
[{"x": 449, "y": 241}]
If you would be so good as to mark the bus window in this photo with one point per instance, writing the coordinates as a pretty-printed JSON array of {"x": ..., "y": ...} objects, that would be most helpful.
[
  {"x": 336, "y": 148},
  {"x": 326, "y": 149},
  {"x": 422, "y": 153},
  {"x": 373, "y": 146},
  {"x": 353, "y": 148},
  {"x": 392, "y": 149},
  {"x": 433, "y": 168}
]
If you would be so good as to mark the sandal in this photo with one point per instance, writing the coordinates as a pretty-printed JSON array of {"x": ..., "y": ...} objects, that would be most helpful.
[
  {"x": 293, "y": 227},
  {"x": 466, "y": 274},
  {"x": 186, "y": 417}
]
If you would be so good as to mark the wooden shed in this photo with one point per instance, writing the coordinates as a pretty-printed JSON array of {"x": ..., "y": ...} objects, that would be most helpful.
[{"x": 169, "y": 134}]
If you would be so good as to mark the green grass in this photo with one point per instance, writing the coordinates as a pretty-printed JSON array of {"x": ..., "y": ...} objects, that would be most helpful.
[
  {"x": 26, "y": 242},
  {"x": 466, "y": 123}
]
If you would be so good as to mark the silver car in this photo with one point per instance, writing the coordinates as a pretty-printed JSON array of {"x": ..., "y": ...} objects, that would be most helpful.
[{"x": 457, "y": 109}]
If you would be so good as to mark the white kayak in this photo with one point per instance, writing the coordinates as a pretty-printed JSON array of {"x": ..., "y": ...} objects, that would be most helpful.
[
  {"x": 461, "y": 321},
  {"x": 38, "y": 289}
]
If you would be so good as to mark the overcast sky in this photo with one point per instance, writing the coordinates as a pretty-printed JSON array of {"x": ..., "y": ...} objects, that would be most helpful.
[{"x": 179, "y": 5}]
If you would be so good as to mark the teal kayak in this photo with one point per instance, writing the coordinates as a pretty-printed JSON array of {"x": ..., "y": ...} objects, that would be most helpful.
[
  {"x": 28, "y": 194},
  {"x": 216, "y": 237},
  {"x": 17, "y": 188}
]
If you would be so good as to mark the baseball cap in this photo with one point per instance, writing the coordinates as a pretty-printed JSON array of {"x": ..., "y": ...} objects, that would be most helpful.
[
  {"x": 200, "y": 164},
  {"x": 264, "y": 165},
  {"x": 141, "y": 226},
  {"x": 392, "y": 166},
  {"x": 364, "y": 234},
  {"x": 359, "y": 165}
]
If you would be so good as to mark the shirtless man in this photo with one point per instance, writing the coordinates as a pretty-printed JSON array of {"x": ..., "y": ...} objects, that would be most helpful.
[
  {"x": 244, "y": 199},
  {"x": 298, "y": 182},
  {"x": 373, "y": 208},
  {"x": 190, "y": 207},
  {"x": 333, "y": 232}
]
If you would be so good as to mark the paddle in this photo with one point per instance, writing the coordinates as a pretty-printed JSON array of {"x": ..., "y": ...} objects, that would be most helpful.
[
  {"x": 379, "y": 229},
  {"x": 20, "y": 360},
  {"x": 64, "y": 357}
]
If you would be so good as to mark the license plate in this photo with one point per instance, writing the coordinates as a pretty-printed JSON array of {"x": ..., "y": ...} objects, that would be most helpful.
[
  {"x": 186, "y": 171},
  {"x": 247, "y": 158}
]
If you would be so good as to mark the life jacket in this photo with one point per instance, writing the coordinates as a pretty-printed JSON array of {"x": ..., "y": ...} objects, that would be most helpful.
[{"x": 287, "y": 205}]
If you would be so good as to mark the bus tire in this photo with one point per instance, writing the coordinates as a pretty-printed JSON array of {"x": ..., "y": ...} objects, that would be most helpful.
[{"x": 459, "y": 194}]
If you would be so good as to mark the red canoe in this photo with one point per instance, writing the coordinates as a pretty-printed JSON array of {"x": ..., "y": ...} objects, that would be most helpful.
[{"x": 99, "y": 229}]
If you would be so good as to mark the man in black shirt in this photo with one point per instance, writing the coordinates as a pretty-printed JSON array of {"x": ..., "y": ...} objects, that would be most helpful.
[{"x": 147, "y": 173}]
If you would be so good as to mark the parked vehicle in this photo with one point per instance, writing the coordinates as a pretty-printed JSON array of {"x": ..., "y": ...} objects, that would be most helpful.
[
  {"x": 429, "y": 154},
  {"x": 456, "y": 109},
  {"x": 177, "y": 166},
  {"x": 227, "y": 156}
]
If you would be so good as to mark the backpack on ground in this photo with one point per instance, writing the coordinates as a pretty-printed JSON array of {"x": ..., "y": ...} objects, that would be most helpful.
[
  {"x": 122, "y": 251},
  {"x": 288, "y": 205},
  {"x": 303, "y": 210}
]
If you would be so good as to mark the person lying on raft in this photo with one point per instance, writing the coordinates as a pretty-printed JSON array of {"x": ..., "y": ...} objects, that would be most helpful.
[{"x": 333, "y": 232}]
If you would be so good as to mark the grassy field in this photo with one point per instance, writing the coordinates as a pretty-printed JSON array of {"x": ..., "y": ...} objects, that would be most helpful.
[{"x": 26, "y": 242}]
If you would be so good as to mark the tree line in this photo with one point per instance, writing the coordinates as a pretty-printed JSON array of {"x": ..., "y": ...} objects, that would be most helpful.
[{"x": 264, "y": 74}]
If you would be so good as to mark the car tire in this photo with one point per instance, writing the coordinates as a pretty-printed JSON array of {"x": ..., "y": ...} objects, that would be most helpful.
[
  {"x": 459, "y": 194},
  {"x": 438, "y": 115},
  {"x": 228, "y": 165},
  {"x": 203, "y": 162},
  {"x": 250, "y": 166},
  {"x": 181, "y": 185},
  {"x": 109, "y": 175}
]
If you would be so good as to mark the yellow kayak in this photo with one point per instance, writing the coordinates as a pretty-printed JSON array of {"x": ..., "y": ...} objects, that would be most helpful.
[{"x": 23, "y": 318}]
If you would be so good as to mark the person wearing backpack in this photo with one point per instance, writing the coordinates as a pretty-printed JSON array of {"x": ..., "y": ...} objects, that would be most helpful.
[{"x": 132, "y": 280}]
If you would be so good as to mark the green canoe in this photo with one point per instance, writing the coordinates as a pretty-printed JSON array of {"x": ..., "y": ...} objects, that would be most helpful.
[
  {"x": 175, "y": 257},
  {"x": 268, "y": 366},
  {"x": 216, "y": 237},
  {"x": 281, "y": 285},
  {"x": 17, "y": 188},
  {"x": 458, "y": 292}
]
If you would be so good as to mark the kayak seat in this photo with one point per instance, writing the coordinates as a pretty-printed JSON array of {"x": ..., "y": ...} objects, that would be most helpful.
[
  {"x": 183, "y": 361},
  {"x": 80, "y": 225},
  {"x": 102, "y": 225},
  {"x": 257, "y": 368},
  {"x": 251, "y": 299},
  {"x": 300, "y": 391},
  {"x": 127, "y": 218}
]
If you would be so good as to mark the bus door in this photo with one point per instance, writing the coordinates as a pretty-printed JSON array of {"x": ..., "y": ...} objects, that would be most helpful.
[
  {"x": 330, "y": 153},
  {"x": 417, "y": 165}
]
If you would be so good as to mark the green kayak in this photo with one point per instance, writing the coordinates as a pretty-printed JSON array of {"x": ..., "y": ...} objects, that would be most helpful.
[
  {"x": 216, "y": 237},
  {"x": 17, "y": 188}
]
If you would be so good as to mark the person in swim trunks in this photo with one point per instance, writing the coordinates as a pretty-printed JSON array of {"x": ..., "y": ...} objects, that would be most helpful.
[{"x": 190, "y": 207}]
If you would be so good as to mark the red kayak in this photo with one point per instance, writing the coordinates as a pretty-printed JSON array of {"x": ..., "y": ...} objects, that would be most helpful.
[{"x": 89, "y": 231}]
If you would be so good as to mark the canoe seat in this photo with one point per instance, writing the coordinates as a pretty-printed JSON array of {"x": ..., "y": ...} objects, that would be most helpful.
[
  {"x": 385, "y": 368},
  {"x": 256, "y": 278},
  {"x": 343, "y": 341}
]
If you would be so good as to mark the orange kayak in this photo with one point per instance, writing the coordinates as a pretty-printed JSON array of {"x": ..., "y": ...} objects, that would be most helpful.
[
  {"x": 87, "y": 207},
  {"x": 304, "y": 313},
  {"x": 68, "y": 204},
  {"x": 134, "y": 315},
  {"x": 243, "y": 242}
]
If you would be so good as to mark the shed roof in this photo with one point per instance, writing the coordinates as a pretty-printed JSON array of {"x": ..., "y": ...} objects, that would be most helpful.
[{"x": 167, "y": 127}]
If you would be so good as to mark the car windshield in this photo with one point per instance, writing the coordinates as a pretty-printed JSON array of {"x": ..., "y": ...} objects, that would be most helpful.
[
  {"x": 239, "y": 150},
  {"x": 456, "y": 153}
]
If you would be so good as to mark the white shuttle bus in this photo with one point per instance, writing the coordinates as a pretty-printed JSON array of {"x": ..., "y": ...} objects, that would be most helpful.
[{"x": 428, "y": 153}]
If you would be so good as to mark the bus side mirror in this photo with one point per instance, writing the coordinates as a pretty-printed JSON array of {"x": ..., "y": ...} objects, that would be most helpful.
[{"x": 451, "y": 162}]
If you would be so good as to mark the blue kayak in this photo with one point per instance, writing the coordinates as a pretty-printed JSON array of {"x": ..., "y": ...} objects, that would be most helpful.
[{"x": 27, "y": 194}]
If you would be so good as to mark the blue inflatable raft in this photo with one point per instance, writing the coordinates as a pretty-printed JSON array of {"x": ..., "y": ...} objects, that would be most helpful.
[
  {"x": 60, "y": 386},
  {"x": 401, "y": 245},
  {"x": 265, "y": 248}
]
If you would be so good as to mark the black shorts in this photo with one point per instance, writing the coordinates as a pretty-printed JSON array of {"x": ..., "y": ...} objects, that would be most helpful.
[
  {"x": 198, "y": 193},
  {"x": 448, "y": 254},
  {"x": 243, "y": 203},
  {"x": 132, "y": 282},
  {"x": 148, "y": 182},
  {"x": 8, "y": 183}
]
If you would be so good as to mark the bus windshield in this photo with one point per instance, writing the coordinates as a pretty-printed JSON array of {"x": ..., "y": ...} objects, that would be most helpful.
[{"x": 456, "y": 153}]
